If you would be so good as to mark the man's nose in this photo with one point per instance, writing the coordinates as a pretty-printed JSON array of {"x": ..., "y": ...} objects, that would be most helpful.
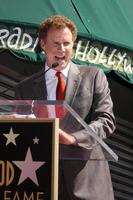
[{"x": 62, "y": 47}]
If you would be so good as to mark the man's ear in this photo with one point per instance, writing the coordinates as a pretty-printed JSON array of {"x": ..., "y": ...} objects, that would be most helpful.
[{"x": 42, "y": 44}]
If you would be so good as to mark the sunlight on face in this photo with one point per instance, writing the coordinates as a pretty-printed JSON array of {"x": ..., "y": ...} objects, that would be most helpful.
[{"x": 58, "y": 47}]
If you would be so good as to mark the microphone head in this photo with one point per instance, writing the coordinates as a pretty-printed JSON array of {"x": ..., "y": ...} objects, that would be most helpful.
[{"x": 54, "y": 65}]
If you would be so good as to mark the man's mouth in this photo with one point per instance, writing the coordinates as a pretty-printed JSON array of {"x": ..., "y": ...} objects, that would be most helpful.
[{"x": 60, "y": 58}]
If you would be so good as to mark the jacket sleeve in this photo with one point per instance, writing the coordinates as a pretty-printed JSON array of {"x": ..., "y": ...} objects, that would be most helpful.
[{"x": 100, "y": 120}]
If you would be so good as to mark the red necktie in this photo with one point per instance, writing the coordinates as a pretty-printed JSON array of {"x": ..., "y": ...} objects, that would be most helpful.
[
  {"x": 60, "y": 90},
  {"x": 40, "y": 111},
  {"x": 60, "y": 94}
]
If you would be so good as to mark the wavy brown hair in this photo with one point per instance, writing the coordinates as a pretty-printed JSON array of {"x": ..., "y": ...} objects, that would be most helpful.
[{"x": 58, "y": 22}]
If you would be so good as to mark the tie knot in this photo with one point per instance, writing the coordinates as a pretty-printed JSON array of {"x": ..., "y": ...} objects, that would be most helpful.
[{"x": 58, "y": 74}]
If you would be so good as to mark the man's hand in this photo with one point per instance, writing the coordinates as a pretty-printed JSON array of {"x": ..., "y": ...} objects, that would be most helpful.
[{"x": 65, "y": 138}]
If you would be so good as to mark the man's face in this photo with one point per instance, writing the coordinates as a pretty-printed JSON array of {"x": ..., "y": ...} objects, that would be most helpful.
[{"x": 58, "y": 47}]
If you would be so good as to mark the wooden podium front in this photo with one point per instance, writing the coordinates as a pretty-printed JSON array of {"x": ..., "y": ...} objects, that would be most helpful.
[{"x": 28, "y": 159}]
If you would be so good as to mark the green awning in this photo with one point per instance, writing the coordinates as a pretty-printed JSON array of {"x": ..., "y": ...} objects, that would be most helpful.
[
  {"x": 34, "y": 11},
  {"x": 105, "y": 30},
  {"x": 109, "y": 21}
]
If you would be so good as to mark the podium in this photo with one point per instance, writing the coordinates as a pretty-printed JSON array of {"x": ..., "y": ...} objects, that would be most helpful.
[{"x": 30, "y": 148}]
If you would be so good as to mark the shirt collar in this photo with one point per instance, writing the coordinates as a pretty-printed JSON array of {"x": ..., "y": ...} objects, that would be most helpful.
[
  {"x": 66, "y": 70},
  {"x": 51, "y": 73}
]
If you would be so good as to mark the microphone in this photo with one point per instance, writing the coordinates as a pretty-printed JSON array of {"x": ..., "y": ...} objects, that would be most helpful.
[{"x": 54, "y": 65}]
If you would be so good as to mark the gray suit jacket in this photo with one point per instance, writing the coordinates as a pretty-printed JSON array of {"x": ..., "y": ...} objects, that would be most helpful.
[{"x": 88, "y": 94}]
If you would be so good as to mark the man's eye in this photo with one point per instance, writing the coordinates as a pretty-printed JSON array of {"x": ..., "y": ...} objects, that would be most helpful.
[
  {"x": 56, "y": 45},
  {"x": 66, "y": 43}
]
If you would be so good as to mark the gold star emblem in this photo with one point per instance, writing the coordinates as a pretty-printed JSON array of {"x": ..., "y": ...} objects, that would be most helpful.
[
  {"x": 36, "y": 140},
  {"x": 11, "y": 136}
]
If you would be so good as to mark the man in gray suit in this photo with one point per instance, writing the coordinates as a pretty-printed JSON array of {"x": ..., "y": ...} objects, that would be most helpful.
[{"x": 88, "y": 94}]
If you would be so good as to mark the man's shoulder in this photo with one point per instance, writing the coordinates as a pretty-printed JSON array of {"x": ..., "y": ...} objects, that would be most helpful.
[
  {"x": 32, "y": 78},
  {"x": 88, "y": 69}
]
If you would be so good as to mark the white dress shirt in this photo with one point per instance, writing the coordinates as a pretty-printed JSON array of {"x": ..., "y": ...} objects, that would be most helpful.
[
  {"x": 52, "y": 80},
  {"x": 51, "y": 85}
]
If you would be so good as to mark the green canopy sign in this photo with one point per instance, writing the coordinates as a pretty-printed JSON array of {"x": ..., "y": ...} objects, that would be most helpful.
[{"x": 104, "y": 32}]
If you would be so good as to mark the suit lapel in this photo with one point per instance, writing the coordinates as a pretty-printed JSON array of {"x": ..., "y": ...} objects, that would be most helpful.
[
  {"x": 74, "y": 80},
  {"x": 73, "y": 83},
  {"x": 39, "y": 87}
]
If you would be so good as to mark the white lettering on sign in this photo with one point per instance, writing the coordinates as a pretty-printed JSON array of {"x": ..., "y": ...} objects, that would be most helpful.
[
  {"x": 113, "y": 59},
  {"x": 84, "y": 50},
  {"x": 17, "y": 40}
]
